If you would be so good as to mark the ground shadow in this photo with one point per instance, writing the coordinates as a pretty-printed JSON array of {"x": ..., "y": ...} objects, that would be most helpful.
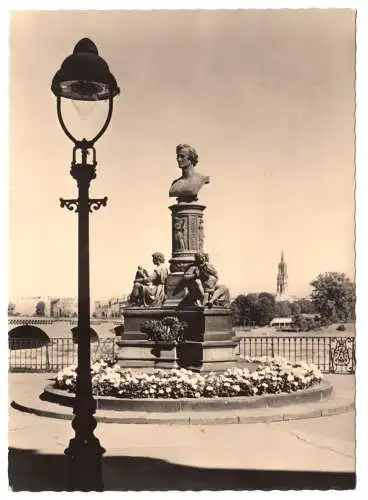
[{"x": 30, "y": 471}]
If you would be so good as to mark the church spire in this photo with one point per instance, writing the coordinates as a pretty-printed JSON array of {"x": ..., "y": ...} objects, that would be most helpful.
[{"x": 282, "y": 277}]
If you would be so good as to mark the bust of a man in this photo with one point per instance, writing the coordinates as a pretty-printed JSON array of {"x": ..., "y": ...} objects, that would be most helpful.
[{"x": 186, "y": 187}]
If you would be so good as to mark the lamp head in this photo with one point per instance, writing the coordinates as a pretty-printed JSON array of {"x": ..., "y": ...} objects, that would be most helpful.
[{"x": 84, "y": 75}]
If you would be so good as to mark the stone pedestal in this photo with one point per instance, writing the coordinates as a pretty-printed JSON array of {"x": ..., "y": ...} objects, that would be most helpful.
[
  {"x": 187, "y": 240},
  {"x": 187, "y": 234},
  {"x": 209, "y": 343}
]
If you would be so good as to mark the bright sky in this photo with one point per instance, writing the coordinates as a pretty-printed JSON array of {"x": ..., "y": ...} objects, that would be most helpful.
[{"x": 266, "y": 98}]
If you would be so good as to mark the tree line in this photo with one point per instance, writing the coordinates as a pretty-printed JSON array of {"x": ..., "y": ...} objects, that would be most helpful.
[{"x": 332, "y": 301}]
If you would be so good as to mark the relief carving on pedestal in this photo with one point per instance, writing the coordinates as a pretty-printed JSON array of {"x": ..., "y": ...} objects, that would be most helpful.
[
  {"x": 200, "y": 234},
  {"x": 179, "y": 235}
]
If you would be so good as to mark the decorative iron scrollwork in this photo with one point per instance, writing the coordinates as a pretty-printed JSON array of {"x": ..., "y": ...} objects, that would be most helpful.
[
  {"x": 71, "y": 205},
  {"x": 342, "y": 354},
  {"x": 96, "y": 203}
]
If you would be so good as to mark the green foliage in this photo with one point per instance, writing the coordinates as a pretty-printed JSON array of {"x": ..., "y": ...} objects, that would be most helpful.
[
  {"x": 283, "y": 309},
  {"x": 287, "y": 309},
  {"x": 264, "y": 309},
  {"x": 253, "y": 308},
  {"x": 40, "y": 308},
  {"x": 11, "y": 309},
  {"x": 334, "y": 297},
  {"x": 241, "y": 310},
  {"x": 306, "y": 306},
  {"x": 169, "y": 329},
  {"x": 295, "y": 308}
]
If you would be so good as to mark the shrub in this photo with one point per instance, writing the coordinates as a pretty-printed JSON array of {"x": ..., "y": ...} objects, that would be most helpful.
[{"x": 341, "y": 328}]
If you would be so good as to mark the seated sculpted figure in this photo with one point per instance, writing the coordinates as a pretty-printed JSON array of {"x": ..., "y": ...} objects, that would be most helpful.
[
  {"x": 186, "y": 187},
  {"x": 201, "y": 281},
  {"x": 151, "y": 290},
  {"x": 140, "y": 275}
]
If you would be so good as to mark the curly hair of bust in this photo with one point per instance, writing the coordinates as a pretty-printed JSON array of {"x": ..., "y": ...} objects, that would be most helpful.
[
  {"x": 193, "y": 155},
  {"x": 158, "y": 257}
]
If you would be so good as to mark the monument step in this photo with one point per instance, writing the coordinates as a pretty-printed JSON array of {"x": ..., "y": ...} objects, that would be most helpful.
[{"x": 133, "y": 335}]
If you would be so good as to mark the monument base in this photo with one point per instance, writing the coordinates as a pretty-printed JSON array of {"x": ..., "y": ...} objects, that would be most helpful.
[{"x": 209, "y": 343}]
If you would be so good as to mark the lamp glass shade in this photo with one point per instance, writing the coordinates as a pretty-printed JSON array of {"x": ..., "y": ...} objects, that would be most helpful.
[
  {"x": 84, "y": 109},
  {"x": 84, "y": 75}
]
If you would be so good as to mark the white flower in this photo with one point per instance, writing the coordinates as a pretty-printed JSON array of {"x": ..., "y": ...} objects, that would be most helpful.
[{"x": 197, "y": 395}]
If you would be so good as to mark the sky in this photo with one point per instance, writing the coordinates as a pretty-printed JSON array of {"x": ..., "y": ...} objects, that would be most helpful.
[{"x": 266, "y": 98}]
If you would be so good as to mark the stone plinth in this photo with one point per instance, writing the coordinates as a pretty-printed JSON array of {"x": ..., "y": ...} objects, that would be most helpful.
[
  {"x": 187, "y": 234},
  {"x": 209, "y": 343},
  {"x": 147, "y": 354},
  {"x": 187, "y": 240}
]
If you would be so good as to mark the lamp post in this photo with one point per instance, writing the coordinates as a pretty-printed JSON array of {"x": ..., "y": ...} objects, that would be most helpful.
[{"x": 84, "y": 76}]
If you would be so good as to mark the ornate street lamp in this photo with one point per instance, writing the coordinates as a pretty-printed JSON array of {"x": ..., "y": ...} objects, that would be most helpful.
[{"x": 84, "y": 76}]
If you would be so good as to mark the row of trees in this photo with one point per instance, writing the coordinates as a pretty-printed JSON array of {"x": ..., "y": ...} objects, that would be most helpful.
[
  {"x": 332, "y": 300},
  {"x": 40, "y": 309}
]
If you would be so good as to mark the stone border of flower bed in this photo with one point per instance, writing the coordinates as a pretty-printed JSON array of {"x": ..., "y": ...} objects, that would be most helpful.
[{"x": 321, "y": 391}]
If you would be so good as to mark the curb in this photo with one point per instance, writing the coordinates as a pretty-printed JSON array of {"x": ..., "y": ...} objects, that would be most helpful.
[
  {"x": 316, "y": 393},
  {"x": 333, "y": 407}
]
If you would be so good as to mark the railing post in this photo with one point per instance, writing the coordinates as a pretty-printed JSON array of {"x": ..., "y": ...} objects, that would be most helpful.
[{"x": 330, "y": 356}]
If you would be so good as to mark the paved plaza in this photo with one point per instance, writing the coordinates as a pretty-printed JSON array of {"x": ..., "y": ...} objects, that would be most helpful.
[{"x": 304, "y": 453}]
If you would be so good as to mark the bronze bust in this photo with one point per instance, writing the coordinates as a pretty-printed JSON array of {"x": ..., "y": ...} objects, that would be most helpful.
[{"x": 186, "y": 187}]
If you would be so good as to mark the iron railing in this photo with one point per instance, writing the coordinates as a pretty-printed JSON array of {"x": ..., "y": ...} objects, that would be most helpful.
[
  {"x": 50, "y": 321},
  {"x": 28, "y": 355},
  {"x": 31, "y": 321},
  {"x": 329, "y": 354}
]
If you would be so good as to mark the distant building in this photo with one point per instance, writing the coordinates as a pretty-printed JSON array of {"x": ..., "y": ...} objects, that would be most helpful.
[
  {"x": 63, "y": 307},
  {"x": 108, "y": 309},
  {"x": 282, "y": 282},
  {"x": 281, "y": 322}
]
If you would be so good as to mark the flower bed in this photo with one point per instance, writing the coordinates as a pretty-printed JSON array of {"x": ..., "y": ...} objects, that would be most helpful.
[{"x": 273, "y": 376}]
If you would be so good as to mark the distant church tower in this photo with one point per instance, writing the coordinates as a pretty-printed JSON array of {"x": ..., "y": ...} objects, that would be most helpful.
[{"x": 282, "y": 279}]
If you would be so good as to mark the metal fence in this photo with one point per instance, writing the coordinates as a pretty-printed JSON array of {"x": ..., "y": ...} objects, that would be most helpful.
[
  {"x": 29, "y": 320},
  {"x": 330, "y": 354},
  {"x": 28, "y": 355}
]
